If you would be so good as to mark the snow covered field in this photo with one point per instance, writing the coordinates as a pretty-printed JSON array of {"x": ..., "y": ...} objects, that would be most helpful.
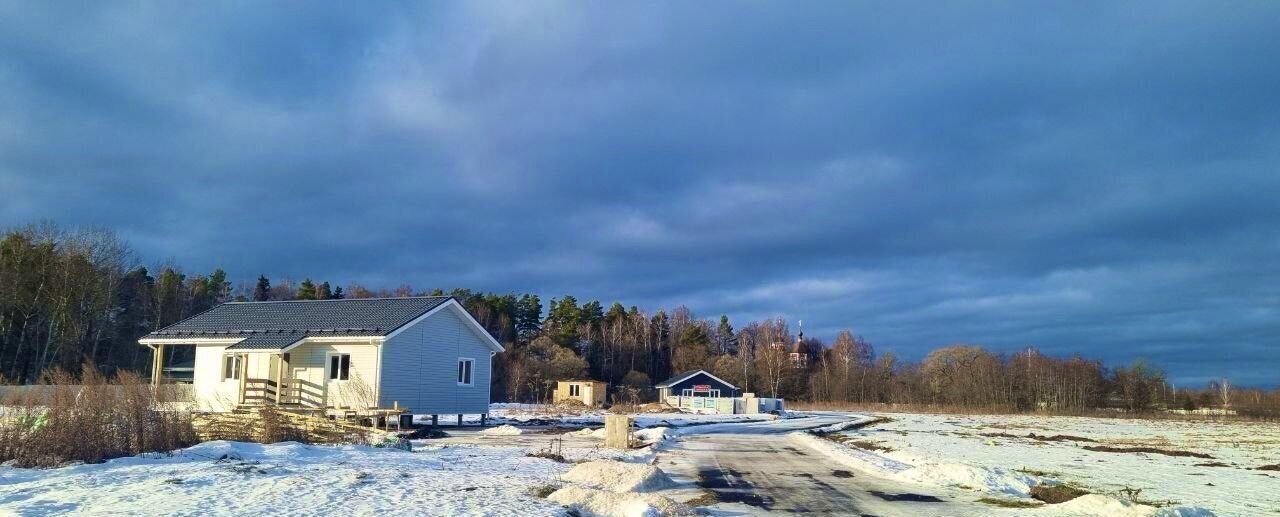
[
  {"x": 994, "y": 453},
  {"x": 232, "y": 478}
]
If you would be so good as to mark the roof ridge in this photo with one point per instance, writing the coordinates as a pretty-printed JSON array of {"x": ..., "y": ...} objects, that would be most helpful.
[{"x": 248, "y": 302}]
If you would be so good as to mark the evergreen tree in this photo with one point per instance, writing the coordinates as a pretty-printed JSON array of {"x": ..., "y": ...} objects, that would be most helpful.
[
  {"x": 323, "y": 292},
  {"x": 724, "y": 336},
  {"x": 562, "y": 321},
  {"x": 219, "y": 287},
  {"x": 337, "y": 294},
  {"x": 528, "y": 317},
  {"x": 262, "y": 292},
  {"x": 306, "y": 290}
]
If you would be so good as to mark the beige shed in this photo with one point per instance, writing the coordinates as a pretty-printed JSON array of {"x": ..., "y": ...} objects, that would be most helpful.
[{"x": 587, "y": 392}]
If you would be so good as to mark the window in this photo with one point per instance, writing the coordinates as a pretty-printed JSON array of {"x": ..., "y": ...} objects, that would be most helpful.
[
  {"x": 464, "y": 371},
  {"x": 575, "y": 390},
  {"x": 230, "y": 367},
  {"x": 339, "y": 367}
]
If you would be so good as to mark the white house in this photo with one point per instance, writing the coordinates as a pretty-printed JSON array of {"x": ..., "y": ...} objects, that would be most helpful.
[{"x": 426, "y": 354}]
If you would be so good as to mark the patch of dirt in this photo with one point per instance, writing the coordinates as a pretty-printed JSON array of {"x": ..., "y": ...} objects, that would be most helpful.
[
  {"x": 914, "y": 498},
  {"x": 1213, "y": 464},
  {"x": 1036, "y": 437},
  {"x": 842, "y": 473},
  {"x": 542, "y": 491},
  {"x": 1009, "y": 503},
  {"x": 1275, "y": 467},
  {"x": 1148, "y": 450},
  {"x": 1056, "y": 494}
]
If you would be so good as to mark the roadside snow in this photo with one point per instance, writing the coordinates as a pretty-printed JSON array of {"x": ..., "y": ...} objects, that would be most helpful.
[
  {"x": 591, "y": 502},
  {"x": 983, "y": 479},
  {"x": 616, "y": 476},
  {"x": 651, "y": 435},
  {"x": 502, "y": 430},
  {"x": 614, "y": 489}
]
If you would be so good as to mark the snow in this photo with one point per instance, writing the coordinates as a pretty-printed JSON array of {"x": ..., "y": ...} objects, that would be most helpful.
[
  {"x": 951, "y": 450},
  {"x": 651, "y": 435},
  {"x": 997, "y": 480},
  {"x": 616, "y": 476},
  {"x": 502, "y": 430},
  {"x": 234, "y": 478},
  {"x": 593, "y": 502}
]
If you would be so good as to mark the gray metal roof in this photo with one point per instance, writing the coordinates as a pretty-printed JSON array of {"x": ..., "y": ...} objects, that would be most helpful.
[
  {"x": 268, "y": 341},
  {"x": 274, "y": 325}
]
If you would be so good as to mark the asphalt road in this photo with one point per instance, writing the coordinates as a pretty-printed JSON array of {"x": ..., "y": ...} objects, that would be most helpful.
[{"x": 753, "y": 468}]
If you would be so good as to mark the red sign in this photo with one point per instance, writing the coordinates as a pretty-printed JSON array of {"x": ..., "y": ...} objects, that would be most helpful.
[{"x": 701, "y": 387}]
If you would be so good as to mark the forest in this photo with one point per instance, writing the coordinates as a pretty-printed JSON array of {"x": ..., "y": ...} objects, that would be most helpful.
[{"x": 71, "y": 297}]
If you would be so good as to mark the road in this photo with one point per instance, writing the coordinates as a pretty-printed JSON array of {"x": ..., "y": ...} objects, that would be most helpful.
[{"x": 753, "y": 467}]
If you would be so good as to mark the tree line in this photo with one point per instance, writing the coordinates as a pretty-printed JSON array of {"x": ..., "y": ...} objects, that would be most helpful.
[{"x": 70, "y": 296}]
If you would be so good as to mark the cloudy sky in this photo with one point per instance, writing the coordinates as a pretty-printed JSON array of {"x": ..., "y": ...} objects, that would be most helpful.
[{"x": 1100, "y": 178}]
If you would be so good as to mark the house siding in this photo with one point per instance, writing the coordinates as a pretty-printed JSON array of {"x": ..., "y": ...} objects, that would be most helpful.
[
  {"x": 419, "y": 366},
  {"x": 309, "y": 362},
  {"x": 212, "y": 393}
]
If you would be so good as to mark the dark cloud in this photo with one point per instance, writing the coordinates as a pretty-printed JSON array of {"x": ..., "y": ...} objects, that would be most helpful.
[{"x": 1091, "y": 178}]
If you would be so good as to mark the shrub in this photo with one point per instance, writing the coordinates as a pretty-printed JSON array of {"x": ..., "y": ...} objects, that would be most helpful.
[{"x": 91, "y": 419}]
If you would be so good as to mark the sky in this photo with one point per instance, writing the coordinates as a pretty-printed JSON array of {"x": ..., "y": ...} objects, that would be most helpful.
[{"x": 1097, "y": 178}]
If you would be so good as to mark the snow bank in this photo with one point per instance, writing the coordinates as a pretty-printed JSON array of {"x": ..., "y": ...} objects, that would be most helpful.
[
  {"x": 651, "y": 435},
  {"x": 946, "y": 474},
  {"x": 1094, "y": 504},
  {"x": 618, "y": 477},
  {"x": 502, "y": 430},
  {"x": 835, "y": 428},
  {"x": 594, "y": 502},
  {"x": 590, "y": 433}
]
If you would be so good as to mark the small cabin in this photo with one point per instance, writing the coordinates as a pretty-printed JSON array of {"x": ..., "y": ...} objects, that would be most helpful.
[{"x": 587, "y": 392}]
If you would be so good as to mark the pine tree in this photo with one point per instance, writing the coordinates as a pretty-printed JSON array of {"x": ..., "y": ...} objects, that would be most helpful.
[
  {"x": 724, "y": 336},
  {"x": 528, "y": 317},
  {"x": 219, "y": 287},
  {"x": 306, "y": 290},
  {"x": 323, "y": 292},
  {"x": 337, "y": 294},
  {"x": 262, "y": 292}
]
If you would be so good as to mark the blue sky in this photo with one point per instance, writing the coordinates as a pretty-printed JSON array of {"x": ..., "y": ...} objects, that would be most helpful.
[{"x": 1086, "y": 177}]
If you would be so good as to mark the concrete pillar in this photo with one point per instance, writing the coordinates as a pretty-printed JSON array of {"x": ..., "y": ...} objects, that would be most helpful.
[{"x": 617, "y": 431}]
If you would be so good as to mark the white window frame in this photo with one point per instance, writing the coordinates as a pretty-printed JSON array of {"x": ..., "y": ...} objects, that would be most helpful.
[
  {"x": 235, "y": 367},
  {"x": 575, "y": 390},
  {"x": 328, "y": 366},
  {"x": 471, "y": 371}
]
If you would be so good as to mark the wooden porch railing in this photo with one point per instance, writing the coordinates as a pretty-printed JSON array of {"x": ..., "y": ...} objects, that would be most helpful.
[{"x": 291, "y": 392}]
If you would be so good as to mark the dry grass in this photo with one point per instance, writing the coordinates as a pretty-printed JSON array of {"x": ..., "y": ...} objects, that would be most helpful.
[
  {"x": 91, "y": 419},
  {"x": 1275, "y": 467},
  {"x": 945, "y": 409},
  {"x": 1010, "y": 503},
  {"x": 1148, "y": 450}
]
